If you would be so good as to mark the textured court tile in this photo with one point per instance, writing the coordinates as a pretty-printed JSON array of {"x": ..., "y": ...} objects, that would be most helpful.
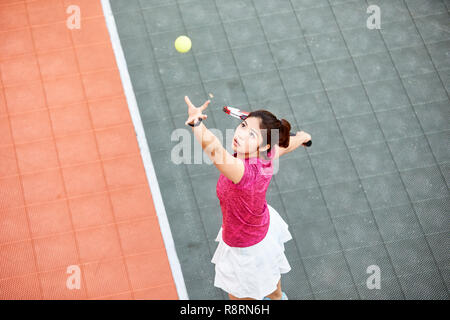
[
  {"x": 211, "y": 218},
  {"x": 149, "y": 270},
  {"x": 208, "y": 39},
  {"x": 412, "y": 61},
  {"x": 57, "y": 63},
  {"x": 424, "y": 286},
  {"x": 372, "y": 159},
  {"x": 350, "y": 15},
  {"x": 400, "y": 34},
  {"x": 410, "y": 153},
  {"x": 49, "y": 219},
  {"x": 200, "y": 267},
  {"x": 424, "y": 8},
  {"x": 387, "y": 95},
  {"x": 140, "y": 236},
  {"x": 43, "y": 186},
  {"x": 179, "y": 71},
  {"x": 20, "y": 69},
  {"x": 166, "y": 167},
  {"x": 392, "y": 10},
  {"x": 281, "y": 26},
  {"x": 425, "y": 88},
  {"x": 99, "y": 274},
  {"x": 305, "y": 205},
  {"x": 162, "y": 19},
  {"x": 333, "y": 167},
  {"x": 327, "y": 135},
  {"x": 425, "y": 183},
  {"x": 244, "y": 33},
  {"x": 36, "y": 156},
  {"x": 337, "y": 74},
  {"x": 8, "y": 166},
  {"x": 137, "y": 50},
  {"x": 26, "y": 288},
  {"x": 397, "y": 223},
  {"x": 163, "y": 45},
  {"x": 231, "y": 11},
  {"x": 201, "y": 185},
  {"x": 306, "y": 4},
  {"x": 345, "y": 198},
  {"x": 13, "y": 225},
  {"x": 311, "y": 107},
  {"x": 317, "y": 20},
  {"x": 316, "y": 238},
  {"x": 385, "y": 190},
  {"x": 359, "y": 130},
  {"x": 327, "y": 46},
  {"x": 295, "y": 282},
  {"x": 288, "y": 53},
  {"x": 221, "y": 65},
  {"x": 295, "y": 173},
  {"x": 344, "y": 293},
  {"x": 253, "y": 59},
  {"x": 301, "y": 80},
  {"x": 411, "y": 256},
  {"x": 390, "y": 289},
  {"x": 130, "y": 24},
  {"x": 82, "y": 179},
  {"x": 203, "y": 289},
  {"x": 133, "y": 203},
  {"x": 362, "y": 41},
  {"x": 53, "y": 286},
  {"x": 15, "y": 17},
  {"x": 77, "y": 149},
  {"x": 440, "y": 150},
  {"x": 264, "y": 7},
  {"x": 328, "y": 272},
  {"x": 152, "y": 105},
  {"x": 356, "y": 231},
  {"x": 433, "y": 28},
  {"x": 439, "y": 243},
  {"x": 433, "y": 214},
  {"x": 185, "y": 199},
  {"x": 399, "y": 123},
  {"x": 12, "y": 194},
  {"x": 440, "y": 54},
  {"x": 349, "y": 101},
  {"x": 375, "y": 67},
  {"x": 16, "y": 42},
  {"x": 58, "y": 251},
  {"x": 198, "y": 13},
  {"x": 91, "y": 211},
  {"x": 360, "y": 259},
  {"x": 262, "y": 86}
]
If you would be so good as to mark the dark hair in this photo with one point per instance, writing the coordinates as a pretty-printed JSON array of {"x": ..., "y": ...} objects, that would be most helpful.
[{"x": 270, "y": 121}]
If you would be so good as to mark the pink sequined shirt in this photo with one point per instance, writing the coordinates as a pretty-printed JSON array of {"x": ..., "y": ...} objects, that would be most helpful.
[{"x": 245, "y": 215}]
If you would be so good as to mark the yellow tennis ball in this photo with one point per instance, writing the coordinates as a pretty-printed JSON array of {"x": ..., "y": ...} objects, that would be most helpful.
[{"x": 183, "y": 44}]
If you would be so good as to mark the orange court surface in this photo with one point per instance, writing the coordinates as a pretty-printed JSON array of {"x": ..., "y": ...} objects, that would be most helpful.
[{"x": 73, "y": 189}]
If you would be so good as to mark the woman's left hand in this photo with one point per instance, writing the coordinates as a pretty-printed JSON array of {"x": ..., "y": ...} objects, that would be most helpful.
[{"x": 193, "y": 112}]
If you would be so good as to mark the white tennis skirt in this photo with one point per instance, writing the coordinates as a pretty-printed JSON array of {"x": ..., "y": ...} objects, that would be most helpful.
[{"x": 253, "y": 272}]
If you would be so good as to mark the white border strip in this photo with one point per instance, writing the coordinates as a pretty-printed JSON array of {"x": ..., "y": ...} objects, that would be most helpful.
[{"x": 145, "y": 152}]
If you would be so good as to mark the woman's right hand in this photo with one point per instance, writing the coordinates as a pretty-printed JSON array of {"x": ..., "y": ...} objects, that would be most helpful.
[{"x": 193, "y": 112}]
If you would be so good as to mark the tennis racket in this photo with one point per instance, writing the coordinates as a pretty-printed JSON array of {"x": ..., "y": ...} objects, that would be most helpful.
[{"x": 240, "y": 114}]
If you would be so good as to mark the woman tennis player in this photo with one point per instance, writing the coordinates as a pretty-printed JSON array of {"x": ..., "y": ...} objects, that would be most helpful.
[{"x": 249, "y": 258}]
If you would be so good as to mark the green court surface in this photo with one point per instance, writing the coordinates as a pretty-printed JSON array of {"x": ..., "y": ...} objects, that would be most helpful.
[{"x": 373, "y": 188}]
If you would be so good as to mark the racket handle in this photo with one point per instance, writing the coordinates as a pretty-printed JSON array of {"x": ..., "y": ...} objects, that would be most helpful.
[{"x": 307, "y": 144}]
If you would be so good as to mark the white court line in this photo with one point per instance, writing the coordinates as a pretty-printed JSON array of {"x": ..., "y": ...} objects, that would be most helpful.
[{"x": 145, "y": 152}]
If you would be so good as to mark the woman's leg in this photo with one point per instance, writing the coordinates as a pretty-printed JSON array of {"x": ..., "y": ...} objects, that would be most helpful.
[{"x": 276, "y": 295}]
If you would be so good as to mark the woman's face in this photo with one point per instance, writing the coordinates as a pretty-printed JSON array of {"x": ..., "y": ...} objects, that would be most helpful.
[{"x": 247, "y": 137}]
